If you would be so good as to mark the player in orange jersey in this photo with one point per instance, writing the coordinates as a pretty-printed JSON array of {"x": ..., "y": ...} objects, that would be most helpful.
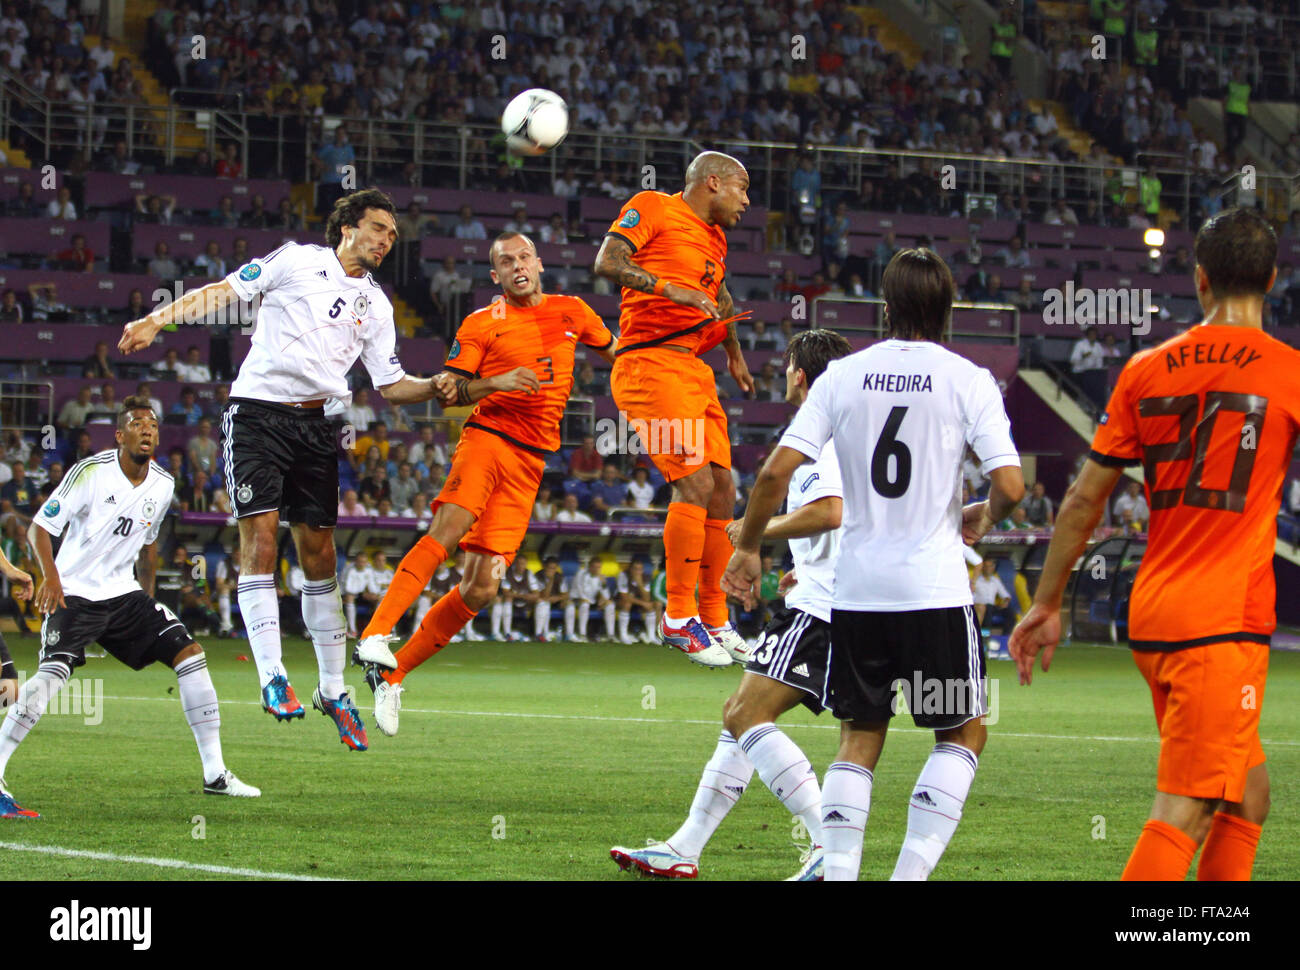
[
  {"x": 514, "y": 358},
  {"x": 1212, "y": 416},
  {"x": 669, "y": 253}
]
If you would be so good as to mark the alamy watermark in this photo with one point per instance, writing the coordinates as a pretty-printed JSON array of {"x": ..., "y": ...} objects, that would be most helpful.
[
  {"x": 1087, "y": 307},
  {"x": 657, "y": 436}
]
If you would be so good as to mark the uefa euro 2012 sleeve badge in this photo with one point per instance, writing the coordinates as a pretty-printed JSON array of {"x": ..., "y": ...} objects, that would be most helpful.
[{"x": 245, "y": 494}]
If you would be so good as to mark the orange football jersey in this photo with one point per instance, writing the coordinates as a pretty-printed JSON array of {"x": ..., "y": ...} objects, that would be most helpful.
[
  {"x": 500, "y": 337},
  {"x": 1212, "y": 416},
  {"x": 671, "y": 242}
]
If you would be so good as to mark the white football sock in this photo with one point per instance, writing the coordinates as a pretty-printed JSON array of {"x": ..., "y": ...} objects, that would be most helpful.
[
  {"x": 609, "y": 620},
  {"x": 33, "y": 698},
  {"x": 261, "y": 612},
  {"x": 350, "y": 612},
  {"x": 223, "y": 608},
  {"x": 199, "y": 700},
  {"x": 649, "y": 620},
  {"x": 846, "y": 803},
  {"x": 322, "y": 613},
  {"x": 623, "y": 620},
  {"x": 725, "y": 779},
  {"x": 787, "y": 773},
  {"x": 935, "y": 809},
  {"x": 541, "y": 620},
  {"x": 498, "y": 612},
  {"x": 570, "y": 614}
]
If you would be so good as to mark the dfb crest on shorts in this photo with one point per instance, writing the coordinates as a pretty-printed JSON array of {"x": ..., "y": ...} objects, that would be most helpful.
[
  {"x": 360, "y": 305},
  {"x": 245, "y": 494},
  {"x": 51, "y": 638}
]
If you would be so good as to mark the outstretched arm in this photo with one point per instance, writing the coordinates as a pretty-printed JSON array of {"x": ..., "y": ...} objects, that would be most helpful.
[
  {"x": 454, "y": 389},
  {"x": 195, "y": 304}
]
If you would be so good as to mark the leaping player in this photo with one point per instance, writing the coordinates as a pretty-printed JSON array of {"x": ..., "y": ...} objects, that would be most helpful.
[
  {"x": 675, "y": 305},
  {"x": 112, "y": 505},
  {"x": 787, "y": 669},
  {"x": 321, "y": 311},
  {"x": 514, "y": 360}
]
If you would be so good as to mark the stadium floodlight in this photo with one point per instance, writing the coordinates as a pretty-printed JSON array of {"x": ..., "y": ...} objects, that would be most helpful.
[{"x": 1155, "y": 238}]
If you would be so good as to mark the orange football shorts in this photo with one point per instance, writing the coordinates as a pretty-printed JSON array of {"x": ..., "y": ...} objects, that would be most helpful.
[
  {"x": 671, "y": 401},
  {"x": 1207, "y": 701},
  {"x": 497, "y": 482}
]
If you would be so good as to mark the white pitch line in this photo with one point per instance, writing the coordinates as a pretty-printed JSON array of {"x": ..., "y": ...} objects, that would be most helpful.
[
  {"x": 667, "y": 720},
  {"x": 160, "y": 863}
]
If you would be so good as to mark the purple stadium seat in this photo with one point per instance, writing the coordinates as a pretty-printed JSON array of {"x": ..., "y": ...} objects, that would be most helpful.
[
  {"x": 81, "y": 289},
  {"x": 12, "y": 178},
  {"x": 195, "y": 192},
  {"x": 187, "y": 242},
  {"x": 47, "y": 236}
]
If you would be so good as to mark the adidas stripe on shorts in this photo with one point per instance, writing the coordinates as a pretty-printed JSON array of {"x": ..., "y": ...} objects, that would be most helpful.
[{"x": 793, "y": 649}]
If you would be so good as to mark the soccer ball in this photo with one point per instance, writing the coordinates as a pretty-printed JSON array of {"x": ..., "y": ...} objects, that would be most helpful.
[{"x": 535, "y": 121}]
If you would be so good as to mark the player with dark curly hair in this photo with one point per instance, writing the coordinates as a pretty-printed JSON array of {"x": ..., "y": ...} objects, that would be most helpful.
[{"x": 320, "y": 309}]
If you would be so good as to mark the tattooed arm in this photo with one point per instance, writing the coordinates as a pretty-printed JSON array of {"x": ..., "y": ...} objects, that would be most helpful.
[{"x": 614, "y": 262}]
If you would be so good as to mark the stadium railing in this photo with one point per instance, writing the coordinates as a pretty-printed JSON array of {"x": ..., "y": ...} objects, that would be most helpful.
[{"x": 457, "y": 155}]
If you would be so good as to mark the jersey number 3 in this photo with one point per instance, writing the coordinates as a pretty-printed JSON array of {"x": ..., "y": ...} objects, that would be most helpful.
[{"x": 1194, "y": 442}]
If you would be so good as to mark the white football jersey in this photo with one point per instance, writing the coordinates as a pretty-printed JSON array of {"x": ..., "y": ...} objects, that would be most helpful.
[
  {"x": 313, "y": 323},
  {"x": 108, "y": 520},
  {"x": 358, "y": 580},
  {"x": 583, "y": 586},
  {"x": 901, "y": 413},
  {"x": 814, "y": 557}
]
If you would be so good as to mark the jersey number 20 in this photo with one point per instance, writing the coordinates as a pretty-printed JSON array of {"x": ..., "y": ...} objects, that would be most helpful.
[{"x": 1194, "y": 442}]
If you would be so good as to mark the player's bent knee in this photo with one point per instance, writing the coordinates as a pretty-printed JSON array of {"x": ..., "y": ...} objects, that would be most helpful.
[{"x": 193, "y": 650}]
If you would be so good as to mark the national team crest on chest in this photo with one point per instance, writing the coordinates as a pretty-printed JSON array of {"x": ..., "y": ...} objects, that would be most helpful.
[
  {"x": 149, "y": 509},
  {"x": 360, "y": 305}
]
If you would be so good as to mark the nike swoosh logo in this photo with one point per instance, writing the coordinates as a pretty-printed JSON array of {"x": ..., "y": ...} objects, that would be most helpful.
[{"x": 692, "y": 560}]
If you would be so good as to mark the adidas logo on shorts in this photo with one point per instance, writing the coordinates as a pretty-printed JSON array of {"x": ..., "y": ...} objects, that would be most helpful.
[{"x": 801, "y": 670}]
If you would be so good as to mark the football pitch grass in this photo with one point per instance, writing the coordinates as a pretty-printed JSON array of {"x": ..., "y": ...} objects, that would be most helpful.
[{"x": 528, "y": 761}]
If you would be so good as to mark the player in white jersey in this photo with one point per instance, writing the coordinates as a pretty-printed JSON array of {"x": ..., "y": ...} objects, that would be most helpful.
[
  {"x": 112, "y": 505},
  {"x": 587, "y": 589},
  {"x": 787, "y": 668},
  {"x": 23, "y": 589},
  {"x": 320, "y": 310},
  {"x": 900, "y": 414}
]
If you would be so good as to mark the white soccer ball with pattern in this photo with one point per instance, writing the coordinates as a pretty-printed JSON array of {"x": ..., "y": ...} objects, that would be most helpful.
[{"x": 535, "y": 122}]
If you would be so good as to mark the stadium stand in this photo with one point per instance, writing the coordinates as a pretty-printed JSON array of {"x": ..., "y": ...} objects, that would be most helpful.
[{"x": 949, "y": 145}]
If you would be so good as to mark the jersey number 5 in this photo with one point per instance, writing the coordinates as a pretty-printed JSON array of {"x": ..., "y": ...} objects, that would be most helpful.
[{"x": 1194, "y": 442}]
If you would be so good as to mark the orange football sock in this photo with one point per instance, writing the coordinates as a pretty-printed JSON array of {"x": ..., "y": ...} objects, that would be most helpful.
[
  {"x": 1229, "y": 851},
  {"x": 683, "y": 551},
  {"x": 439, "y": 625},
  {"x": 717, "y": 553},
  {"x": 1163, "y": 853},
  {"x": 413, "y": 574}
]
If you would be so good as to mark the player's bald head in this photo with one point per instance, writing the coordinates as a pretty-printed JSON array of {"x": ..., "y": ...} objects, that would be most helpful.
[{"x": 706, "y": 164}]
